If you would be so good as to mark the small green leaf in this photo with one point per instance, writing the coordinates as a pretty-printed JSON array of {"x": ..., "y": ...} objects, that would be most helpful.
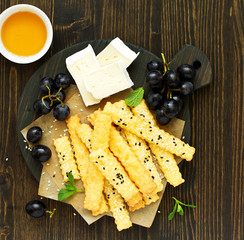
[
  {"x": 65, "y": 193},
  {"x": 171, "y": 215},
  {"x": 135, "y": 97},
  {"x": 71, "y": 178},
  {"x": 70, "y": 187},
  {"x": 180, "y": 210}
]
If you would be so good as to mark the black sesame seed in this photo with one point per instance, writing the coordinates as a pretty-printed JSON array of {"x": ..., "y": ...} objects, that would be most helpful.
[
  {"x": 139, "y": 144},
  {"x": 152, "y": 177},
  {"x": 167, "y": 160},
  {"x": 150, "y": 198},
  {"x": 150, "y": 170},
  {"x": 103, "y": 168},
  {"x": 140, "y": 132}
]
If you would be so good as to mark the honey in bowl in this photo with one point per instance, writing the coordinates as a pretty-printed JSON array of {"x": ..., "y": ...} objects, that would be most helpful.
[{"x": 24, "y": 33}]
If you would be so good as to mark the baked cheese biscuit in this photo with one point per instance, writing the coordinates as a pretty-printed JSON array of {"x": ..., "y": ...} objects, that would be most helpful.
[
  {"x": 66, "y": 158},
  {"x": 95, "y": 181},
  {"x": 123, "y": 117},
  {"x": 137, "y": 172},
  {"x": 166, "y": 160},
  {"x": 116, "y": 175},
  {"x": 117, "y": 207}
]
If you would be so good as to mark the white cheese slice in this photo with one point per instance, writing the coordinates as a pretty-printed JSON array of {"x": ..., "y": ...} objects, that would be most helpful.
[
  {"x": 78, "y": 64},
  {"x": 107, "y": 80},
  {"x": 116, "y": 51}
]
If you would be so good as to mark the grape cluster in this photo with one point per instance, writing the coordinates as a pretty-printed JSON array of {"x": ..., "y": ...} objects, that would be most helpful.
[
  {"x": 54, "y": 96},
  {"x": 168, "y": 88}
]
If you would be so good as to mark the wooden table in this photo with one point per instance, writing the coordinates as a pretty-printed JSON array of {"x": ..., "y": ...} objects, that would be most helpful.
[{"x": 214, "y": 179}]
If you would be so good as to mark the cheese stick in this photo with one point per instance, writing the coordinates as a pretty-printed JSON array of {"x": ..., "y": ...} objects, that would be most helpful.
[
  {"x": 123, "y": 117},
  {"x": 137, "y": 172},
  {"x": 66, "y": 158},
  {"x": 95, "y": 179},
  {"x": 101, "y": 133},
  {"x": 116, "y": 175},
  {"x": 166, "y": 160},
  {"x": 80, "y": 150},
  {"x": 117, "y": 207}
]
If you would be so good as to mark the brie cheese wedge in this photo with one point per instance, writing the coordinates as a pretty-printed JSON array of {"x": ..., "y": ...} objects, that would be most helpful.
[
  {"x": 116, "y": 51},
  {"x": 80, "y": 63},
  {"x": 107, "y": 80}
]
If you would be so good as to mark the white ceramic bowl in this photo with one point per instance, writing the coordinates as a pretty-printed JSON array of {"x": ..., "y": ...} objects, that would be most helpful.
[{"x": 28, "y": 8}]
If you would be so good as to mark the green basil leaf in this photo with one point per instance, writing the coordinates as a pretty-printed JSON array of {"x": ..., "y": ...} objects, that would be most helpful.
[
  {"x": 135, "y": 97},
  {"x": 70, "y": 187},
  {"x": 180, "y": 210},
  {"x": 71, "y": 178},
  {"x": 65, "y": 193}
]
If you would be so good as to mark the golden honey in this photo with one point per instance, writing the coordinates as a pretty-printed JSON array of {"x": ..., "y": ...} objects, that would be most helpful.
[{"x": 24, "y": 33}]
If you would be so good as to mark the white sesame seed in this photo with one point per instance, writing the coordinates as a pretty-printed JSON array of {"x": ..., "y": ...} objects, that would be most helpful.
[
  {"x": 41, "y": 198},
  {"x": 48, "y": 181},
  {"x": 55, "y": 129},
  {"x": 54, "y": 172},
  {"x": 25, "y": 141},
  {"x": 6, "y": 159},
  {"x": 43, "y": 173},
  {"x": 26, "y": 147},
  {"x": 74, "y": 214},
  {"x": 47, "y": 164},
  {"x": 50, "y": 131},
  {"x": 51, "y": 126},
  {"x": 81, "y": 110},
  {"x": 47, "y": 188},
  {"x": 183, "y": 137},
  {"x": 158, "y": 211}
]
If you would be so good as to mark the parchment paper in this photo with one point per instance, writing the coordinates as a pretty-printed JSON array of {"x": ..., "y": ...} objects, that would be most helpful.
[{"x": 51, "y": 178}]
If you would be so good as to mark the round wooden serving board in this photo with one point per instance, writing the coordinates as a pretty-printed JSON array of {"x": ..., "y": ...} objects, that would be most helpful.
[{"x": 137, "y": 71}]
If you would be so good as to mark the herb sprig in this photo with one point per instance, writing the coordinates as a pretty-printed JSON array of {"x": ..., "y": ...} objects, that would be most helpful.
[
  {"x": 178, "y": 208},
  {"x": 69, "y": 190},
  {"x": 135, "y": 97}
]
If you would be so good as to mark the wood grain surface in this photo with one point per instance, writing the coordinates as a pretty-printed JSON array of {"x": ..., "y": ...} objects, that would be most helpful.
[{"x": 214, "y": 179}]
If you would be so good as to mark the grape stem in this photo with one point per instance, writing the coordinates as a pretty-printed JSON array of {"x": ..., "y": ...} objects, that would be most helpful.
[
  {"x": 166, "y": 66},
  {"x": 51, "y": 212}
]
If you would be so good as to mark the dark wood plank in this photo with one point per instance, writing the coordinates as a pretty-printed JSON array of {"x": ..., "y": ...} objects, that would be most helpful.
[{"x": 214, "y": 180}]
